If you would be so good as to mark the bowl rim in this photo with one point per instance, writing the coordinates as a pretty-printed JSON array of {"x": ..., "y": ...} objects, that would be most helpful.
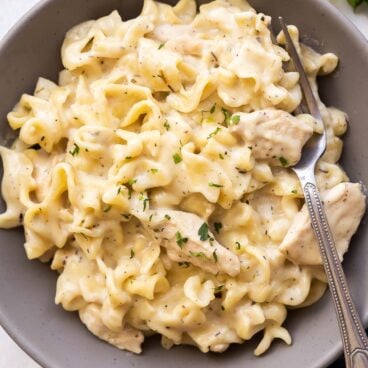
[{"x": 17, "y": 28}]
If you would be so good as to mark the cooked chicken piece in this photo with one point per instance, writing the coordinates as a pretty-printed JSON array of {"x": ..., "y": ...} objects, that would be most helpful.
[
  {"x": 274, "y": 135},
  {"x": 345, "y": 206},
  {"x": 127, "y": 338},
  {"x": 179, "y": 233}
]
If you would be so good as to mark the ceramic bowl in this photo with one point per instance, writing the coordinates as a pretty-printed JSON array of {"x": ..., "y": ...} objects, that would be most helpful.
[{"x": 57, "y": 339}]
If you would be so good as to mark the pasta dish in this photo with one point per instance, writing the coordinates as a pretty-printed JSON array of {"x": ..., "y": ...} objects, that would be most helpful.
[{"x": 155, "y": 177}]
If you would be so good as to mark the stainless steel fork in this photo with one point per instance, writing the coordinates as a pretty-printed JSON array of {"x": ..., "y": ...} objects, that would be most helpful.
[{"x": 354, "y": 338}]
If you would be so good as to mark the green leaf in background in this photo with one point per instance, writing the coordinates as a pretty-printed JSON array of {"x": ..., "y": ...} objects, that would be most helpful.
[{"x": 356, "y": 3}]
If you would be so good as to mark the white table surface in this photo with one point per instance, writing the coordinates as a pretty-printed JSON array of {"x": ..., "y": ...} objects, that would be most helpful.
[{"x": 11, "y": 355}]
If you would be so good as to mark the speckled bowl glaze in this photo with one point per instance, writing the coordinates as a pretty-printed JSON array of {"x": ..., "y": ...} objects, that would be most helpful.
[{"x": 57, "y": 339}]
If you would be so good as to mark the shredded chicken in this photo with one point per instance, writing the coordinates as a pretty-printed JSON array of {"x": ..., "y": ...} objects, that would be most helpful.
[
  {"x": 274, "y": 135},
  {"x": 345, "y": 207},
  {"x": 178, "y": 233},
  {"x": 127, "y": 338}
]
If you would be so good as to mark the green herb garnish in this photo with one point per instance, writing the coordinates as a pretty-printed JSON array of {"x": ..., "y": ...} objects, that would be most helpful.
[
  {"x": 167, "y": 125},
  {"x": 214, "y": 185},
  {"x": 213, "y": 109},
  {"x": 214, "y": 255},
  {"x": 218, "y": 289},
  {"x": 218, "y": 227},
  {"x": 284, "y": 162},
  {"x": 216, "y": 131},
  {"x": 238, "y": 246},
  {"x": 75, "y": 150},
  {"x": 235, "y": 119},
  {"x": 107, "y": 209},
  {"x": 132, "y": 253},
  {"x": 161, "y": 46},
  {"x": 177, "y": 158},
  {"x": 203, "y": 232},
  {"x": 180, "y": 240},
  {"x": 197, "y": 254},
  {"x": 226, "y": 115},
  {"x": 145, "y": 203},
  {"x": 356, "y": 3},
  {"x": 167, "y": 217}
]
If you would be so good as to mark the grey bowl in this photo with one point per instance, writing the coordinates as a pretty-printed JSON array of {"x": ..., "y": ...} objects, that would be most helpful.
[{"x": 56, "y": 339}]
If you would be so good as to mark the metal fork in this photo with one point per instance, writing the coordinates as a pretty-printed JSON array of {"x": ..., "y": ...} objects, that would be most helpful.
[{"x": 355, "y": 341}]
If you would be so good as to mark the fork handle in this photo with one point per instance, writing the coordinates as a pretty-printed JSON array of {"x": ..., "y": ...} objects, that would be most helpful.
[{"x": 354, "y": 338}]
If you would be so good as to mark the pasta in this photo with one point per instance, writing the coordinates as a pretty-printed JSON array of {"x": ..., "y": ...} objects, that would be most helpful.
[{"x": 155, "y": 177}]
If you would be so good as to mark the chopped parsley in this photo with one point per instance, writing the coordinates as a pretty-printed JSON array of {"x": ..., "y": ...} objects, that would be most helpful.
[
  {"x": 213, "y": 109},
  {"x": 128, "y": 157},
  {"x": 294, "y": 191},
  {"x": 145, "y": 203},
  {"x": 226, "y": 115},
  {"x": 177, "y": 158},
  {"x": 132, "y": 181},
  {"x": 216, "y": 131},
  {"x": 132, "y": 253},
  {"x": 197, "y": 254},
  {"x": 214, "y": 185},
  {"x": 167, "y": 125},
  {"x": 161, "y": 46},
  {"x": 203, "y": 232},
  {"x": 180, "y": 240},
  {"x": 221, "y": 156},
  {"x": 218, "y": 227},
  {"x": 235, "y": 119},
  {"x": 284, "y": 162},
  {"x": 130, "y": 191},
  {"x": 218, "y": 289},
  {"x": 75, "y": 150},
  {"x": 356, "y": 3},
  {"x": 238, "y": 246},
  {"x": 154, "y": 171},
  {"x": 214, "y": 255},
  {"x": 107, "y": 209},
  {"x": 167, "y": 217}
]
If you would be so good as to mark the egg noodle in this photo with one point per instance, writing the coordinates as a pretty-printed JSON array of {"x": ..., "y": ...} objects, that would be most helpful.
[{"x": 154, "y": 177}]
